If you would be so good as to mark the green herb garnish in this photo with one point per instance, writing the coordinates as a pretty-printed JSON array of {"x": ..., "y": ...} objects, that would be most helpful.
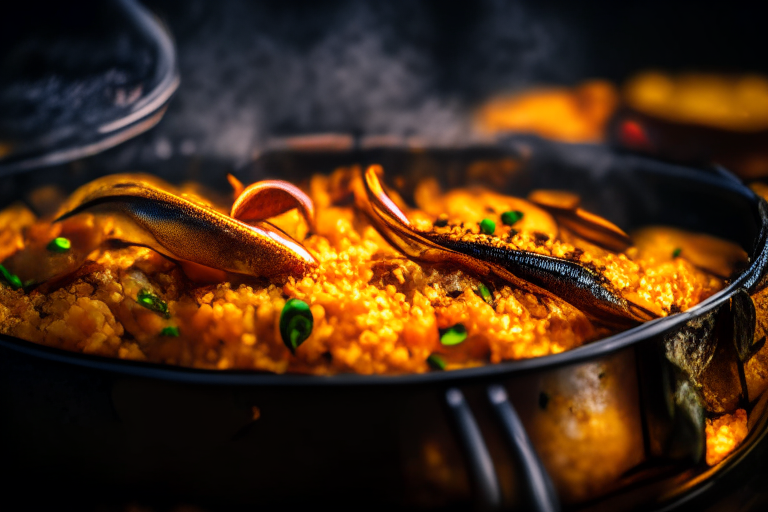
[
  {"x": 436, "y": 362},
  {"x": 487, "y": 226},
  {"x": 485, "y": 293},
  {"x": 441, "y": 223},
  {"x": 295, "y": 323},
  {"x": 677, "y": 252},
  {"x": 152, "y": 302},
  {"x": 453, "y": 335},
  {"x": 510, "y": 217},
  {"x": 171, "y": 331},
  {"x": 12, "y": 279},
  {"x": 59, "y": 244}
]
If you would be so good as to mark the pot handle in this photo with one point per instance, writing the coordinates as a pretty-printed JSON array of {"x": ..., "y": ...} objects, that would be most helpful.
[
  {"x": 542, "y": 496},
  {"x": 480, "y": 465},
  {"x": 541, "y": 493}
]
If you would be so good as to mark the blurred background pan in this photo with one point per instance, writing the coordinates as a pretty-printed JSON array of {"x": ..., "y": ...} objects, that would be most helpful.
[{"x": 78, "y": 78}]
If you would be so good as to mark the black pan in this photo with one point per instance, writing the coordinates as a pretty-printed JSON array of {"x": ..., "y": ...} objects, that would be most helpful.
[{"x": 89, "y": 429}]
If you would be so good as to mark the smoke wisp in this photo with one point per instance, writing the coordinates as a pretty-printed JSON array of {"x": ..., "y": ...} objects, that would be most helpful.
[{"x": 252, "y": 71}]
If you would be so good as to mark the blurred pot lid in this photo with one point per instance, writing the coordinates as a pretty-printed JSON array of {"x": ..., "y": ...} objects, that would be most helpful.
[{"x": 79, "y": 79}]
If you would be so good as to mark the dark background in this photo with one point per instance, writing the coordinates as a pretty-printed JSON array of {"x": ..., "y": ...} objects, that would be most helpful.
[
  {"x": 420, "y": 67},
  {"x": 251, "y": 70}
]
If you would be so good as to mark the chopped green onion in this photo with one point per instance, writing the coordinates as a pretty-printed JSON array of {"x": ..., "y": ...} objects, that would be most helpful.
[
  {"x": 152, "y": 302},
  {"x": 295, "y": 323},
  {"x": 487, "y": 226},
  {"x": 441, "y": 223},
  {"x": 677, "y": 252},
  {"x": 59, "y": 244},
  {"x": 543, "y": 400},
  {"x": 436, "y": 362},
  {"x": 485, "y": 293},
  {"x": 171, "y": 331},
  {"x": 453, "y": 335},
  {"x": 510, "y": 217},
  {"x": 12, "y": 279}
]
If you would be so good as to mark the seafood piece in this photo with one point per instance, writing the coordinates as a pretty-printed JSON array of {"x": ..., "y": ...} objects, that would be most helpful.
[
  {"x": 564, "y": 207},
  {"x": 185, "y": 230},
  {"x": 269, "y": 198},
  {"x": 544, "y": 275}
]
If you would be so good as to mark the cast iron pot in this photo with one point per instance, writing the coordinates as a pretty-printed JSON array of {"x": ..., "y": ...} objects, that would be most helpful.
[{"x": 86, "y": 428}]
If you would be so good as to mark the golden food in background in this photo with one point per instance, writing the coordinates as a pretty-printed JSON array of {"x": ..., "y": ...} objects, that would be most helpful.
[
  {"x": 577, "y": 114},
  {"x": 698, "y": 117},
  {"x": 581, "y": 113},
  {"x": 737, "y": 103},
  {"x": 689, "y": 117}
]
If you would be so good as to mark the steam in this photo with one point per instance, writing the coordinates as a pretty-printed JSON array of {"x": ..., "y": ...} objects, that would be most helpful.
[
  {"x": 512, "y": 46},
  {"x": 251, "y": 72}
]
